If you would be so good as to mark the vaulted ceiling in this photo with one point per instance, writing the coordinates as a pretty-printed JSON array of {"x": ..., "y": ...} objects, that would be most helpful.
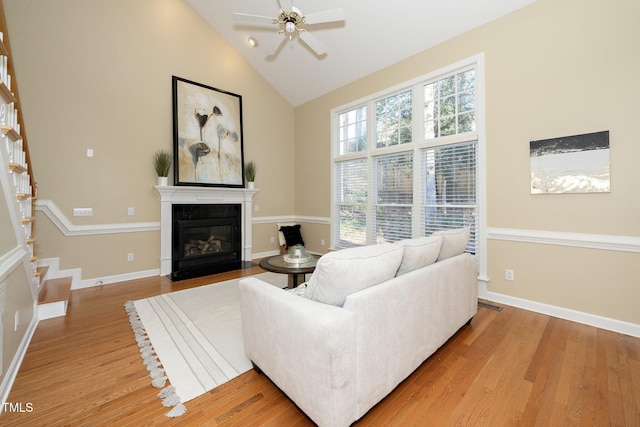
[{"x": 375, "y": 34}]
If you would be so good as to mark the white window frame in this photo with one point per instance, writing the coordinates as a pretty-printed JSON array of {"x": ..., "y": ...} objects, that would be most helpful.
[{"x": 476, "y": 62}]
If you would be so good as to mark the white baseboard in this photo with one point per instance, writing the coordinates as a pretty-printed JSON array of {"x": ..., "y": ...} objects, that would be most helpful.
[
  {"x": 260, "y": 255},
  {"x": 106, "y": 280},
  {"x": 601, "y": 322},
  {"x": 14, "y": 367},
  {"x": 77, "y": 282}
]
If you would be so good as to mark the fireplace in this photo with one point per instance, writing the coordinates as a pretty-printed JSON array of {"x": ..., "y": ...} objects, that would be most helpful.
[
  {"x": 205, "y": 239},
  {"x": 241, "y": 198}
]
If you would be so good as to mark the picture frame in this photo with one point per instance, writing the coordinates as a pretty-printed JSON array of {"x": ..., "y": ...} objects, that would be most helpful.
[
  {"x": 208, "y": 148},
  {"x": 571, "y": 164}
]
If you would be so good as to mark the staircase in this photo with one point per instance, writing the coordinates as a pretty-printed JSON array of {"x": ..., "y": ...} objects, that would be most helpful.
[{"x": 17, "y": 180}]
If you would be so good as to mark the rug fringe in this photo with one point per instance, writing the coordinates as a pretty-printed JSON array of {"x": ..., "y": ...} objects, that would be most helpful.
[
  {"x": 153, "y": 364},
  {"x": 176, "y": 411}
]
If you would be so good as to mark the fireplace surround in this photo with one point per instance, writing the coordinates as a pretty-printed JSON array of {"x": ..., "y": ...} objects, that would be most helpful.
[{"x": 204, "y": 200}]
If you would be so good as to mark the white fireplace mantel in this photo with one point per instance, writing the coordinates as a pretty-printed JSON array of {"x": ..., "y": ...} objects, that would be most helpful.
[{"x": 170, "y": 195}]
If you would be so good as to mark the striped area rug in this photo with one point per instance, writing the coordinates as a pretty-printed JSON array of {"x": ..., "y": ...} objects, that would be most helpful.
[{"x": 192, "y": 339}]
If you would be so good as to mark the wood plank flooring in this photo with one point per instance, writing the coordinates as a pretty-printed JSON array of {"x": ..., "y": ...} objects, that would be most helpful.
[{"x": 509, "y": 368}]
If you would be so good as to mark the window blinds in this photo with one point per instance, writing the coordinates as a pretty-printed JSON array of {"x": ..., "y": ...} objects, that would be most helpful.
[{"x": 449, "y": 196}]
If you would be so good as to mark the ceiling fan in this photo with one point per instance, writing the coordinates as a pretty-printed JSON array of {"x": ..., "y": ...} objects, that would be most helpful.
[{"x": 291, "y": 22}]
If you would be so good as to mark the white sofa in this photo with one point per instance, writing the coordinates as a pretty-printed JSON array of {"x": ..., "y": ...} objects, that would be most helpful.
[{"x": 383, "y": 311}]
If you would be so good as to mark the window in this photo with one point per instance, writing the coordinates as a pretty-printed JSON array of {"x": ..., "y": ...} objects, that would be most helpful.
[
  {"x": 393, "y": 194},
  {"x": 353, "y": 130},
  {"x": 449, "y": 105},
  {"x": 449, "y": 195},
  {"x": 394, "y": 120},
  {"x": 405, "y": 162},
  {"x": 350, "y": 197}
]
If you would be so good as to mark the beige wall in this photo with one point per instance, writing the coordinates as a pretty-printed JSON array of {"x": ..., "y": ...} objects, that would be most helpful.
[
  {"x": 97, "y": 74},
  {"x": 17, "y": 299},
  {"x": 554, "y": 68}
]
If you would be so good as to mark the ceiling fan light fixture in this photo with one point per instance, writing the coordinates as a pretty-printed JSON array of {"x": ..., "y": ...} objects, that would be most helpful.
[
  {"x": 252, "y": 42},
  {"x": 290, "y": 27}
]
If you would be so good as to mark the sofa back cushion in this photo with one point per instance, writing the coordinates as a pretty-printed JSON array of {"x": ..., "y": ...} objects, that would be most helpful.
[
  {"x": 454, "y": 242},
  {"x": 346, "y": 271},
  {"x": 419, "y": 253}
]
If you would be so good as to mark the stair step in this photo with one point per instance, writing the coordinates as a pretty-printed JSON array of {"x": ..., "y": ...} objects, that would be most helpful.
[
  {"x": 41, "y": 272},
  {"x": 55, "y": 290},
  {"x": 54, "y": 298}
]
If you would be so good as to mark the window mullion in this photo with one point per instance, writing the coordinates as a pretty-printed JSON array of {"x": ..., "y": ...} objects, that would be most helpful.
[
  {"x": 418, "y": 175},
  {"x": 371, "y": 144}
]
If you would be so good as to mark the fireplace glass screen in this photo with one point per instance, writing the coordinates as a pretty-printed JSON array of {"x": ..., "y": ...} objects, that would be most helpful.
[{"x": 206, "y": 240}]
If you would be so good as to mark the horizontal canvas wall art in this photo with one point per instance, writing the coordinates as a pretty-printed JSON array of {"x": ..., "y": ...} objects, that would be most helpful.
[{"x": 570, "y": 164}]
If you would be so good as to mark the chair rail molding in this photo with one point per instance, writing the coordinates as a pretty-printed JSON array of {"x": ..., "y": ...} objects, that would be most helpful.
[
  {"x": 291, "y": 218},
  {"x": 11, "y": 260},
  {"x": 577, "y": 240},
  {"x": 62, "y": 222},
  {"x": 49, "y": 208}
]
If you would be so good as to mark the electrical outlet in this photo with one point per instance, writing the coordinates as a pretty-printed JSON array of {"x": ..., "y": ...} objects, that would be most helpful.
[
  {"x": 322, "y": 242},
  {"x": 82, "y": 211},
  {"x": 273, "y": 239},
  {"x": 509, "y": 275},
  {"x": 131, "y": 211},
  {"x": 130, "y": 257}
]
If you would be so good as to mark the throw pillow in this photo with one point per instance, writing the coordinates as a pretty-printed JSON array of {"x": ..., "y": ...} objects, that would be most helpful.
[
  {"x": 454, "y": 242},
  {"x": 341, "y": 273},
  {"x": 419, "y": 253},
  {"x": 280, "y": 235},
  {"x": 292, "y": 235}
]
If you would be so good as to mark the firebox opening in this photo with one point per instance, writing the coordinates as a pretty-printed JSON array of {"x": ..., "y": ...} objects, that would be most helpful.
[{"x": 206, "y": 240}]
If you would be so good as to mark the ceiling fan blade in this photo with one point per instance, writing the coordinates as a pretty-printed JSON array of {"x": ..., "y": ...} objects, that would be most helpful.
[
  {"x": 312, "y": 42},
  {"x": 286, "y": 5},
  {"x": 326, "y": 16},
  {"x": 245, "y": 17},
  {"x": 275, "y": 53}
]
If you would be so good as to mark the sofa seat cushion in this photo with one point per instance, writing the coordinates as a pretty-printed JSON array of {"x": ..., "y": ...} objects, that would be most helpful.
[
  {"x": 454, "y": 242},
  {"x": 341, "y": 273},
  {"x": 419, "y": 252}
]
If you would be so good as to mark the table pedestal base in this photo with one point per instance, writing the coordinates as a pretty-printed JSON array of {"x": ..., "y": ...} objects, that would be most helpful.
[{"x": 295, "y": 279}]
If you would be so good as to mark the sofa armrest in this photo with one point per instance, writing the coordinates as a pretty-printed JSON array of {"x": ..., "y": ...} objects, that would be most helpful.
[{"x": 305, "y": 347}]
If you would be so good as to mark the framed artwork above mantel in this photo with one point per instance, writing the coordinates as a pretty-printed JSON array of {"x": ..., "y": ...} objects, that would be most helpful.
[{"x": 207, "y": 135}]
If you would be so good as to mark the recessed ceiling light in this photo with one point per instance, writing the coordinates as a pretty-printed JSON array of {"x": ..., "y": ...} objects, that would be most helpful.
[{"x": 252, "y": 42}]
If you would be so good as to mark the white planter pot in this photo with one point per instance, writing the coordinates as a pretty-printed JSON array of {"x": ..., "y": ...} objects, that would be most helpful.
[
  {"x": 251, "y": 185},
  {"x": 162, "y": 180}
]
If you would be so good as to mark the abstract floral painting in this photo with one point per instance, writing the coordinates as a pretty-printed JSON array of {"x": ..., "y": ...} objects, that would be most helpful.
[{"x": 207, "y": 127}]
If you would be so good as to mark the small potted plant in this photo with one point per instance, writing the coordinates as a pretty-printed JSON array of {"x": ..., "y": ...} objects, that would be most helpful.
[
  {"x": 250, "y": 173},
  {"x": 162, "y": 163}
]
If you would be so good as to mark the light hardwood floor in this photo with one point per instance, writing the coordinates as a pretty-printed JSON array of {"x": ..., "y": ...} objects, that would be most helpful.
[{"x": 509, "y": 368}]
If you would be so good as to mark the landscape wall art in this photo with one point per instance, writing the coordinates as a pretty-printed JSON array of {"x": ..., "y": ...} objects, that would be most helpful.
[{"x": 571, "y": 164}]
